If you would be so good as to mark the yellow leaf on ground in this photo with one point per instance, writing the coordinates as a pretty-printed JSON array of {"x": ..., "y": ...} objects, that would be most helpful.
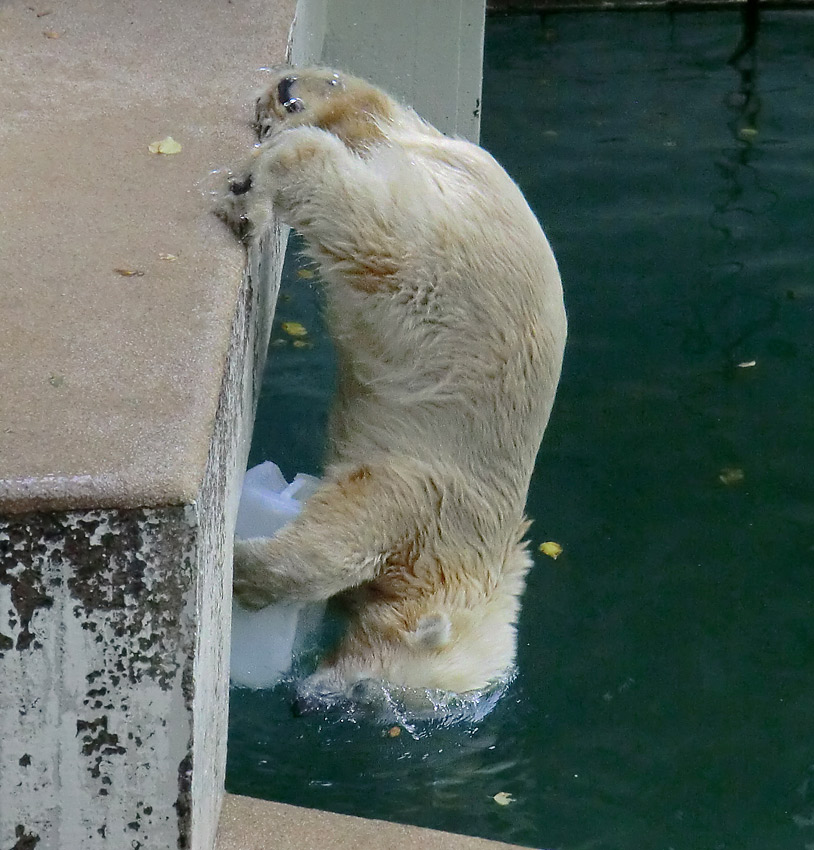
[
  {"x": 294, "y": 329},
  {"x": 165, "y": 146},
  {"x": 129, "y": 272},
  {"x": 552, "y": 549}
]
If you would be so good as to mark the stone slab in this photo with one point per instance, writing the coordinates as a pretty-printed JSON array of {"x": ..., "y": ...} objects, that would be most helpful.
[{"x": 248, "y": 824}]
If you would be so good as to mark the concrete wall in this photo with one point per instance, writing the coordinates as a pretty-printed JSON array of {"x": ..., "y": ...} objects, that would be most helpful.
[{"x": 114, "y": 643}]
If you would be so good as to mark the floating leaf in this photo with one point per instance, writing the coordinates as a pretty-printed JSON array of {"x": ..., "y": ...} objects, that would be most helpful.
[
  {"x": 731, "y": 476},
  {"x": 747, "y": 364},
  {"x": 503, "y": 798},
  {"x": 301, "y": 343},
  {"x": 747, "y": 132},
  {"x": 552, "y": 549},
  {"x": 394, "y": 731},
  {"x": 129, "y": 272},
  {"x": 294, "y": 329},
  {"x": 307, "y": 274},
  {"x": 165, "y": 146}
]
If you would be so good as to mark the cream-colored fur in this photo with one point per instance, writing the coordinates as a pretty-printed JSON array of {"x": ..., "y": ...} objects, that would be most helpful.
[{"x": 445, "y": 305}]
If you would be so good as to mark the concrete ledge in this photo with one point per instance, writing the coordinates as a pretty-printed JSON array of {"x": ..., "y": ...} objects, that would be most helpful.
[
  {"x": 248, "y": 824},
  {"x": 110, "y": 383}
]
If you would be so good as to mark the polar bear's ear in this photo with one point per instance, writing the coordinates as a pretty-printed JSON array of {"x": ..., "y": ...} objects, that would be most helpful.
[{"x": 432, "y": 631}]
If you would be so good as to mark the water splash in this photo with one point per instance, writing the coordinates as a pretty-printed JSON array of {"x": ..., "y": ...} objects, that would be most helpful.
[{"x": 418, "y": 711}]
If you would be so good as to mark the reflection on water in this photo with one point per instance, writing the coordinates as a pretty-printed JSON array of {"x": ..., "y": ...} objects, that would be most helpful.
[
  {"x": 665, "y": 691},
  {"x": 742, "y": 203}
]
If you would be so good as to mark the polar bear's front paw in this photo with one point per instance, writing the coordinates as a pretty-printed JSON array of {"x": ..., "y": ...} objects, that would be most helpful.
[
  {"x": 232, "y": 207},
  {"x": 244, "y": 206},
  {"x": 240, "y": 186}
]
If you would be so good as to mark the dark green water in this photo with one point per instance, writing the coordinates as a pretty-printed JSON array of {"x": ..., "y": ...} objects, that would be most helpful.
[{"x": 666, "y": 688}]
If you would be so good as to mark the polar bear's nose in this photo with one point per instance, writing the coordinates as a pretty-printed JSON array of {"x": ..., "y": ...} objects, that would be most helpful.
[
  {"x": 286, "y": 98},
  {"x": 240, "y": 187}
]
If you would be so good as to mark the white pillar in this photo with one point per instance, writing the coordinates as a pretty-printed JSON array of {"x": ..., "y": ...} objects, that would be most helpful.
[{"x": 427, "y": 53}]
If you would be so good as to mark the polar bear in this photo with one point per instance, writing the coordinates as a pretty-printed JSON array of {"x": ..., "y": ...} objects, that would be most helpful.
[{"x": 444, "y": 302}]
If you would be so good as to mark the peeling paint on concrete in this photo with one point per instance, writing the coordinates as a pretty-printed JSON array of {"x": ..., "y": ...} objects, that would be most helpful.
[
  {"x": 99, "y": 611},
  {"x": 25, "y": 840}
]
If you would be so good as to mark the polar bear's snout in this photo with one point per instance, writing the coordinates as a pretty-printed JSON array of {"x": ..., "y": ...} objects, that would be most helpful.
[
  {"x": 240, "y": 187},
  {"x": 324, "y": 691},
  {"x": 296, "y": 97}
]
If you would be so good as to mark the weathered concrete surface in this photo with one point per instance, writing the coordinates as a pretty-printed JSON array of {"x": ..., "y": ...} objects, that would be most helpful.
[
  {"x": 97, "y": 649},
  {"x": 248, "y": 824},
  {"x": 125, "y": 410}
]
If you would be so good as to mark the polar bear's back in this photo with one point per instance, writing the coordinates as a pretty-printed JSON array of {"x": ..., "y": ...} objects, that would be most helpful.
[{"x": 466, "y": 341}]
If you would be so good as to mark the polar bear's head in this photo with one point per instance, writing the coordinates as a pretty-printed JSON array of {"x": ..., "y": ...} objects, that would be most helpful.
[
  {"x": 348, "y": 107},
  {"x": 464, "y": 650}
]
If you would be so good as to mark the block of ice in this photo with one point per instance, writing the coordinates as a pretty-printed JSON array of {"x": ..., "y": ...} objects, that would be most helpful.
[
  {"x": 268, "y": 501},
  {"x": 264, "y": 642}
]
